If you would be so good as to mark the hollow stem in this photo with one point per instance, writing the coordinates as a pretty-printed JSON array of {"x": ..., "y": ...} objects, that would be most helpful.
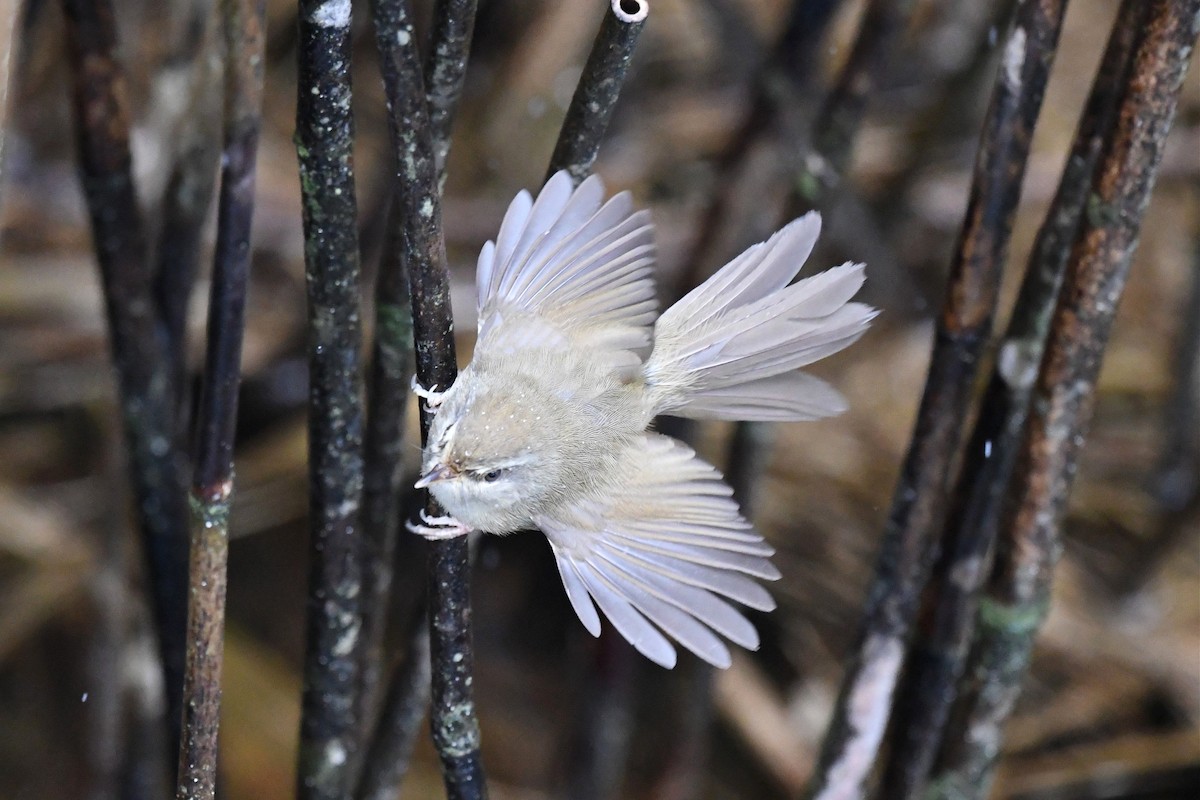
[
  {"x": 851, "y": 745},
  {"x": 595, "y": 97}
]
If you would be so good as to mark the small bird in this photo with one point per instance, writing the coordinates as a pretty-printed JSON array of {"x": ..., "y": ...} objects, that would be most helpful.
[{"x": 548, "y": 426}]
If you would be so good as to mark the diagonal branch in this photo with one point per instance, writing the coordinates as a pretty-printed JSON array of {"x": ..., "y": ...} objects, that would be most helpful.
[
  {"x": 918, "y": 511},
  {"x": 1029, "y": 540},
  {"x": 936, "y": 662}
]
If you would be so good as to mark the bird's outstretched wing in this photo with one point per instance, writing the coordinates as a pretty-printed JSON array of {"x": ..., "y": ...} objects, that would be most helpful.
[
  {"x": 567, "y": 270},
  {"x": 660, "y": 552}
]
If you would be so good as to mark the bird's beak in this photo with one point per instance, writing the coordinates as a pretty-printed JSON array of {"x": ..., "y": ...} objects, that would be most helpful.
[{"x": 440, "y": 472}]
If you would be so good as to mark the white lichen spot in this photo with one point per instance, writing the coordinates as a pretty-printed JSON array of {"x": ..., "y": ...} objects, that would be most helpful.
[
  {"x": 427, "y": 208},
  {"x": 1018, "y": 363},
  {"x": 1014, "y": 59},
  {"x": 335, "y": 754},
  {"x": 332, "y": 14},
  {"x": 403, "y": 37}
]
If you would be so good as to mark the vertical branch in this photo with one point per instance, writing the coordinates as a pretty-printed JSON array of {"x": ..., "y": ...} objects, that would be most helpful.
[
  {"x": 937, "y": 660},
  {"x": 243, "y": 23},
  {"x": 455, "y": 727},
  {"x": 143, "y": 380},
  {"x": 918, "y": 511},
  {"x": 1029, "y": 542},
  {"x": 185, "y": 205},
  {"x": 446, "y": 63},
  {"x": 595, "y": 97},
  {"x": 324, "y": 139},
  {"x": 10, "y": 24}
]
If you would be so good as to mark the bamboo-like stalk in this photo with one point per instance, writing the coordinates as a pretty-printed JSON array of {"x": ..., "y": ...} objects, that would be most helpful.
[
  {"x": 243, "y": 25},
  {"x": 936, "y": 662},
  {"x": 446, "y": 62},
  {"x": 455, "y": 727},
  {"x": 185, "y": 205},
  {"x": 144, "y": 388},
  {"x": 595, "y": 97},
  {"x": 1029, "y": 541},
  {"x": 324, "y": 138},
  {"x": 918, "y": 512}
]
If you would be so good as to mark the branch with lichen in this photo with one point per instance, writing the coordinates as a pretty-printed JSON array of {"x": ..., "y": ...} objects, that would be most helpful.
[
  {"x": 324, "y": 139},
  {"x": 918, "y": 512},
  {"x": 453, "y": 720},
  {"x": 1029, "y": 541},
  {"x": 936, "y": 662}
]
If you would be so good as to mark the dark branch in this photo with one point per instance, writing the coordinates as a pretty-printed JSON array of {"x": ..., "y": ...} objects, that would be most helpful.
[
  {"x": 391, "y": 371},
  {"x": 144, "y": 386},
  {"x": 919, "y": 509},
  {"x": 324, "y": 138},
  {"x": 937, "y": 660},
  {"x": 212, "y": 481},
  {"x": 455, "y": 727},
  {"x": 599, "y": 86},
  {"x": 1029, "y": 541}
]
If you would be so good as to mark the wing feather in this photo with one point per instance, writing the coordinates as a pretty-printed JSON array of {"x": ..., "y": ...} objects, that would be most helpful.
[
  {"x": 666, "y": 550},
  {"x": 568, "y": 269}
]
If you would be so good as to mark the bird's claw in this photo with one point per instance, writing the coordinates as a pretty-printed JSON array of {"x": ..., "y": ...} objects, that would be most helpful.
[
  {"x": 432, "y": 397},
  {"x": 437, "y": 528}
]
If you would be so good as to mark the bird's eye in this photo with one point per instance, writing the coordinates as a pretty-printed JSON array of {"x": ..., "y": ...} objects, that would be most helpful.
[{"x": 492, "y": 476}]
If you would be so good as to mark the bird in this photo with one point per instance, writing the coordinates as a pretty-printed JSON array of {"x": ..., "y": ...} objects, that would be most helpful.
[{"x": 550, "y": 426}]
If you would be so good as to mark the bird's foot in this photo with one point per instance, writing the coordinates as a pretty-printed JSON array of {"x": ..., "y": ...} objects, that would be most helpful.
[
  {"x": 437, "y": 529},
  {"x": 432, "y": 397}
]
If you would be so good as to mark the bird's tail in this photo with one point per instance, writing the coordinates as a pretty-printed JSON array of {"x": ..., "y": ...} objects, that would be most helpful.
[{"x": 732, "y": 348}]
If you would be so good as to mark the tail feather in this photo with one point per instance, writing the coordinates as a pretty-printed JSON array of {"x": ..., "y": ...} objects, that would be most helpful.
[{"x": 730, "y": 348}]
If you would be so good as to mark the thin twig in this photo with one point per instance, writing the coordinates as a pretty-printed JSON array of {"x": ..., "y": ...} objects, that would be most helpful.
[
  {"x": 936, "y": 662},
  {"x": 1029, "y": 541},
  {"x": 143, "y": 379},
  {"x": 243, "y": 23},
  {"x": 446, "y": 62},
  {"x": 455, "y": 727},
  {"x": 185, "y": 205},
  {"x": 11, "y": 18},
  {"x": 599, "y": 86},
  {"x": 324, "y": 138},
  {"x": 919, "y": 509}
]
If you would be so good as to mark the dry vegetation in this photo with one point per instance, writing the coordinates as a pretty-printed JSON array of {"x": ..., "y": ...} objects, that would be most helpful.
[{"x": 1112, "y": 705}]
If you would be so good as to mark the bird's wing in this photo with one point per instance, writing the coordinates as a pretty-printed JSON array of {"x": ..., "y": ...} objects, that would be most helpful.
[
  {"x": 567, "y": 270},
  {"x": 661, "y": 554}
]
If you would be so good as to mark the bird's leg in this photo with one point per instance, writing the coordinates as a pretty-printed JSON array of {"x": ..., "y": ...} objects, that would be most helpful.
[
  {"x": 432, "y": 397},
  {"x": 437, "y": 528}
]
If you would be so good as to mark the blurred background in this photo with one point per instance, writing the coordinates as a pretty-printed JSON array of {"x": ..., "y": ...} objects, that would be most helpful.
[{"x": 1112, "y": 708}]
